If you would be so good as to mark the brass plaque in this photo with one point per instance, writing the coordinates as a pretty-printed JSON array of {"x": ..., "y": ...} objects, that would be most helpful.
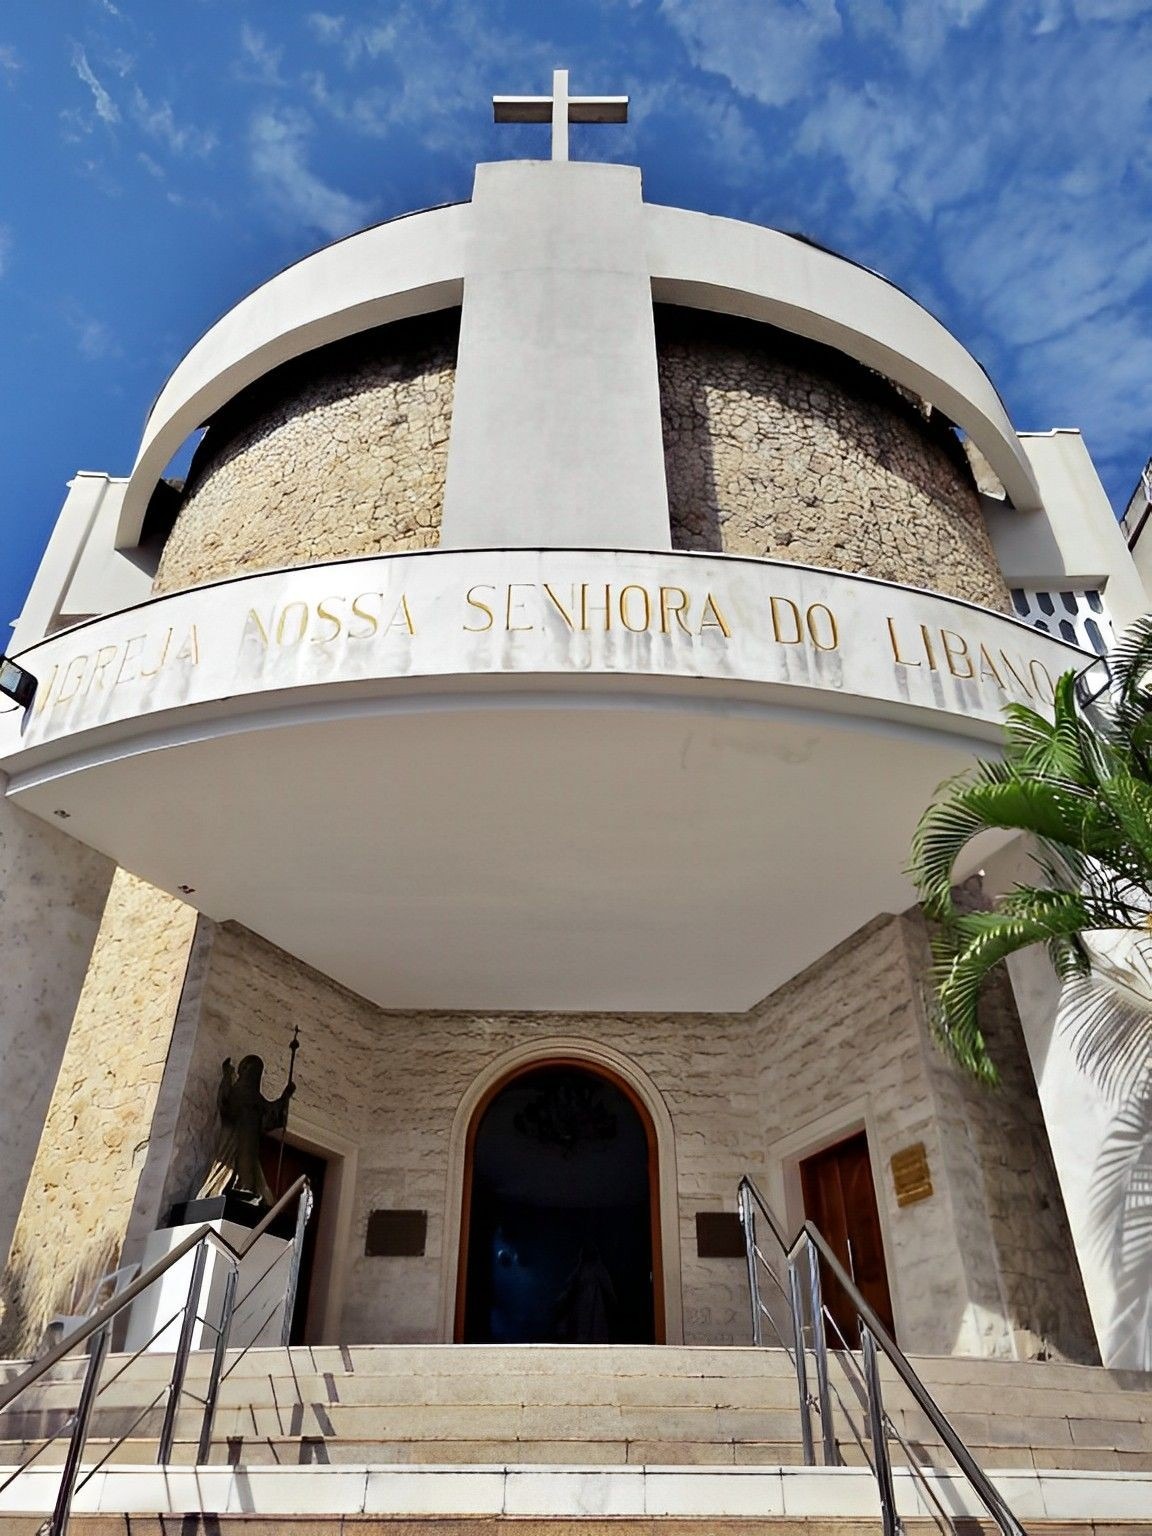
[
  {"x": 396, "y": 1234},
  {"x": 719, "y": 1235},
  {"x": 910, "y": 1174}
]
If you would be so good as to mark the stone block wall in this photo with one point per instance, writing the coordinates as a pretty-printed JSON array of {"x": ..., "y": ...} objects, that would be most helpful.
[
  {"x": 974, "y": 1269},
  {"x": 983, "y": 1266},
  {"x": 778, "y": 447},
  {"x": 52, "y": 892},
  {"x": 94, "y": 1149},
  {"x": 1021, "y": 1258},
  {"x": 340, "y": 453}
]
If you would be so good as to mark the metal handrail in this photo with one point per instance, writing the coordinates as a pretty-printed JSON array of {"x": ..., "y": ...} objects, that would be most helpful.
[
  {"x": 873, "y": 1333},
  {"x": 98, "y": 1328},
  {"x": 112, "y": 1308}
]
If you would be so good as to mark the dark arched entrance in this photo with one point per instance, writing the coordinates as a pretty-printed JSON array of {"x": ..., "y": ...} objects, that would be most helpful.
[{"x": 559, "y": 1217}]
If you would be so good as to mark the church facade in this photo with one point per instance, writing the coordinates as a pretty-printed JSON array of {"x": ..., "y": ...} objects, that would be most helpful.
[{"x": 529, "y": 696}]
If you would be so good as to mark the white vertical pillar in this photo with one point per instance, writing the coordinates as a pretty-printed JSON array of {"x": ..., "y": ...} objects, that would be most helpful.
[
  {"x": 556, "y": 434},
  {"x": 1081, "y": 1119}
]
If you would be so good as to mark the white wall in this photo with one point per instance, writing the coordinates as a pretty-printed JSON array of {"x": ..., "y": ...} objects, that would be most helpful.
[
  {"x": 1087, "y": 1123},
  {"x": 1074, "y": 540}
]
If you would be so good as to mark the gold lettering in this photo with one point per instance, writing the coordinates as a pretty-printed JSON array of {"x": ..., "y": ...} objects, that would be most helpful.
[
  {"x": 77, "y": 661},
  {"x": 402, "y": 616},
  {"x": 1051, "y": 691},
  {"x": 901, "y": 661},
  {"x": 144, "y": 672},
  {"x": 928, "y": 651},
  {"x": 560, "y": 609},
  {"x": 126, "y": 658},
  {"x": 474, "y": 602},
  {"x": 666, "y": 609},
  {"x": 105, "y": 656},
  {"x": 833, "y": 633},
  {"x": 776, "y": 603},
  {"x": 328, "y": 617},
  {"x": 988, "y": 667},
  {"x": 636, "y": 629},
  {"x": 508, "y": 604},
  {"x": 264, "y": 633},
  {"x": 959, "y": 652},
  {"x": 301, "y": 627},
  {"x": 369, "y": 618},
  {"x": 45, "y": 693},
  {"x": 1019, "y": 680},
  {"x": 717, "y": 621},
  {"x": 190, "y": 650},
  {"x": 584, "y": 606}
]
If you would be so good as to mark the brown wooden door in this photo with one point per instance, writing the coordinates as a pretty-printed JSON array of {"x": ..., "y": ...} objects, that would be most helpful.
[
  {"x": 840, "y": 1198},
  {"x": 282, "y": 1170}
]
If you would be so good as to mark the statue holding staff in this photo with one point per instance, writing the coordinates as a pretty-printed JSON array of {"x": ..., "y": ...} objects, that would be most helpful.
[{"x": 246, "y": 1116}]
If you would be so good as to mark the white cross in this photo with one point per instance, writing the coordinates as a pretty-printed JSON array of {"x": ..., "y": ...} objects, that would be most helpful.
[{"x": 560, "y": 109}]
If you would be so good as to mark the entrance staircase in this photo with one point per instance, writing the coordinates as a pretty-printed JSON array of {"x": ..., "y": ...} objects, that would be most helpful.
[
  {"x": 457, "y": 1439},
  {"x": 548, "y": 1434}
]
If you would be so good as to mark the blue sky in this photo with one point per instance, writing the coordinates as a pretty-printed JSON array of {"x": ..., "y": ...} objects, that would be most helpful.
[{"x": 158, "y": 158}]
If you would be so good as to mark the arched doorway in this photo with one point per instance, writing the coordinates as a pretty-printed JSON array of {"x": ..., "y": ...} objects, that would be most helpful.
[{"x": 560, "y": 1234}]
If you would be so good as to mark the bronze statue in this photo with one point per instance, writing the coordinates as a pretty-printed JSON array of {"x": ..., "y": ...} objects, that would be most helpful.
[{"x": 245, "y": 1117}]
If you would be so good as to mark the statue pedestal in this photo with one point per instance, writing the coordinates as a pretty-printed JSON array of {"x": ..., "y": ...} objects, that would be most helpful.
[{"x": 259, "y": 1314}]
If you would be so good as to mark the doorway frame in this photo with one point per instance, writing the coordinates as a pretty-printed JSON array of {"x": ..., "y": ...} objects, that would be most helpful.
[
  {"x": 645, "y": 1097},
  {"x": 787, "y": 1153},
  {"x": 333, "y": 1255}
]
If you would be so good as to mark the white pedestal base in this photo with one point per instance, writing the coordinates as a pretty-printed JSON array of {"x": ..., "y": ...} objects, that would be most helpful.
[{"x": 259, "y": 1315}]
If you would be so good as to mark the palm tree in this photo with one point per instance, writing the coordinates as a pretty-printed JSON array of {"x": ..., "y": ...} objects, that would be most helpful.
[{"x": 1080, "y": 785}]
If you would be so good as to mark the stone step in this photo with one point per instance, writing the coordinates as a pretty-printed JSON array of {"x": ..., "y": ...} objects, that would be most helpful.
[{"x": 597, "y": 1496}]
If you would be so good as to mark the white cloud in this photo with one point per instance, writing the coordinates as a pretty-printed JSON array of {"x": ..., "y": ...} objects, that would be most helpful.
[
  {"x": 327, "y": 28},
  {"x": 5, "y": 247},
  {"x": 278, "y": 141},
  {"x": 11, "y": 63},
  {"x": 1110, "y": 10},
  {"x": 94, "y": 340},
  {"x": 106, "y": 108},
  {"x": 766, "y": 49},
  {"x": 262, "y": 60},
  {"x": 159, "y": 122}
]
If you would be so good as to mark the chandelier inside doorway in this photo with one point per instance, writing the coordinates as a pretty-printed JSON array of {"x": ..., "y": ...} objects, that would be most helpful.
[{"x": 567, "y": 1113}]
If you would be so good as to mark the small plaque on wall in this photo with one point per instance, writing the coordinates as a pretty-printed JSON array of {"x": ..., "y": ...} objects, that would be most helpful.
[
  {"x": 396, "y": 1234},
  {"x": 719, "y": 1235},
  {"x": 910, "y": 1174}
]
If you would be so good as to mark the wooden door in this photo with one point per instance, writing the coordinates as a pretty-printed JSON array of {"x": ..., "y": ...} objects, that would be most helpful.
[
  {"x": 840, "y": 1198},
  {"x": 282, "y": 1169}
]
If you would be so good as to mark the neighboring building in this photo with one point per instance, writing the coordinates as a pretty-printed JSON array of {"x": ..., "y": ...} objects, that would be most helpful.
[{"x": 530, "y": 694}]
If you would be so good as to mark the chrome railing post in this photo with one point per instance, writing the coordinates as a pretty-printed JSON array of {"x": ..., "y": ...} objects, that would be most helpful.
[
  {"x": 180, "y": 1361},
  {"x": 748, "y": 1223},
  {"x": 215, "y": 1375},
  {"x": 820, "y": 1350},
  {"x": 303, "y": 1212},
  {"x": 881, "y": 1459},
  {"x": 796, "y": 1298},
  {"x": 79, "y": 1436}
]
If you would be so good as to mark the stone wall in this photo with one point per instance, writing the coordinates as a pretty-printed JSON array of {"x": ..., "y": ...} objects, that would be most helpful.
[
  {"x": 391, "y": 1084},
  {"x": 983, "y": 1266},
  {"x": 974, "y": 1268},
  {"x": 778, "y": 447},
  {"x": 52, "y": 892},
  {"x": 340, "y": 453},
  {"x": 94, "y": 1150},
  {"x": 1005, "y": 1191}
]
